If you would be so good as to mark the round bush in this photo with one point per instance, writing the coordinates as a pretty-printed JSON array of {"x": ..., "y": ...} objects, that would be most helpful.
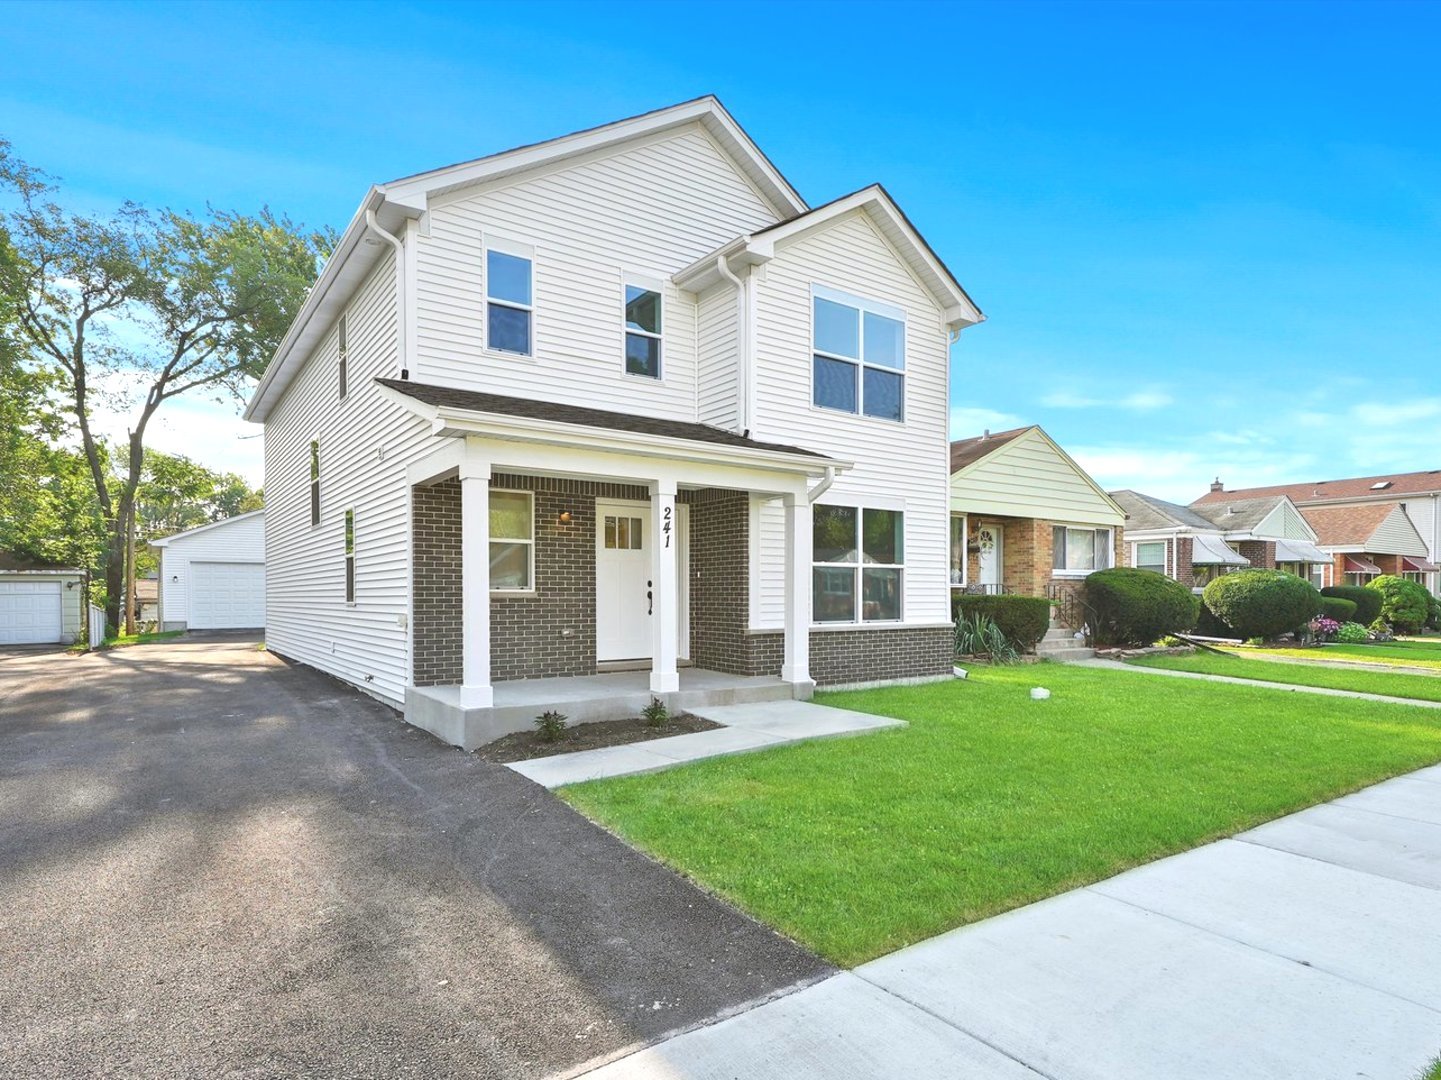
[
  {"x": 1262, "y": 603},
  {"x": 1405, "y": 604},
  {"x": 1352, "y": 633},
  {"x": 1367, "y": 601},
  {"x": 1136, "y": 607},
  {"x": 1435, "y": 622},
  {"x": 1210, "y": 626},
  {"x": 1338, "y": 608},
  {"x": 1023, "y": 619}
]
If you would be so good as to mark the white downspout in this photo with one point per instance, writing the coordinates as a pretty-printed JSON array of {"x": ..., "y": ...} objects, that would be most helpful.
[
  {"x": 812, "y": 494},
  {"x": 400, "y": 316},
  {"x": 743, "y": 346}
]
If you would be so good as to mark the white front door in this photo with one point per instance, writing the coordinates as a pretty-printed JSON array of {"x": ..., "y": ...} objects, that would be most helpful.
[
  {"x": 30, "y": 612},
  {"x": 624, "y": 600},
  {"x": 989, "y": 534}
]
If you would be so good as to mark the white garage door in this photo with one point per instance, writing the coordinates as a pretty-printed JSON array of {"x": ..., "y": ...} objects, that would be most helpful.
[
  {"x": 30, "y": 612},
  {"x": 227, "y": 596}
]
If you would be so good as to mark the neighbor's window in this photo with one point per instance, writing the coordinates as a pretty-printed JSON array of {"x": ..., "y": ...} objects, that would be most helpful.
[
  {"x": 859, "y": 356},
  {"x": 350, "y": 556},
  {"x": 314, "y": 482},
  {"x": 1151, "y": 556},
  {"x": 859, "y": 557},
  {"x": 512, "y": 541},
  {"x": 344, "y": 357},
  {"x": 642, "y": 331},
  {"x": 509, "y": 306},
  {"x": 1077, "y": 549},
  {"x": 958, "y": 549}
]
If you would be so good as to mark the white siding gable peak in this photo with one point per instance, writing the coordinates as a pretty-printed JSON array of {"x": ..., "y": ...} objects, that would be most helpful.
[{"x": 164, "y": 541}]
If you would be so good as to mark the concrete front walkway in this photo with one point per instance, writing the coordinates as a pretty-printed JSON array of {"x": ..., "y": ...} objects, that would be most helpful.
[
  {"x": 756, "y": 726},
  {"x": 1305, "y": 949}
]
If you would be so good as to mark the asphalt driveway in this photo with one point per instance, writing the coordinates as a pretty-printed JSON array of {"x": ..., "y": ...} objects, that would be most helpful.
[{"x": 216, "y": 863}]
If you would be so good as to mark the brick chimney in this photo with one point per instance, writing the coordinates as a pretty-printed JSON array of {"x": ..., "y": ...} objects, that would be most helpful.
[{"x": 1216, "y": 485}]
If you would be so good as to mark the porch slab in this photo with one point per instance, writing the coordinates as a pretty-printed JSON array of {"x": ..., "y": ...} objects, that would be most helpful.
[{"x": 746, "y": 727}]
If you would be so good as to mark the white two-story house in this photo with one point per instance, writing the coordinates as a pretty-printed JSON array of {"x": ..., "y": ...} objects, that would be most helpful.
[{"x": 620, "y": 402}]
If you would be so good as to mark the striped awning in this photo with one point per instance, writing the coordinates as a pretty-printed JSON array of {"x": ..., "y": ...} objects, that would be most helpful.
[
  {"x": 1213, "y": 551},
  {"x": 1300, "y": 551},
  {"x": 1359, "y": 564},
  {"x": 1424, "y": 566}
]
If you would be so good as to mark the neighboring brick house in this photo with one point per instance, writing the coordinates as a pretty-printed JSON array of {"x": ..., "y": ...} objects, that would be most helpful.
[
  {"x": 1025, "y": 518},
  {"x": 1197, "y": 543},
  {"x": 1366, "y": 540},
  {"x": 1417, "y": 494},
  {"x": 617, "y": 407}
]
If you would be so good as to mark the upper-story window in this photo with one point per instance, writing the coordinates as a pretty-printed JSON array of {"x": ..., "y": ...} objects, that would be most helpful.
[
  {"x": 314, "y": 482},
  {"x": 859, "y": 349},
  {"x": 342, "y": 372},
  {"x": 509, "y": 307},
  {"x": 642, "y": 331}
]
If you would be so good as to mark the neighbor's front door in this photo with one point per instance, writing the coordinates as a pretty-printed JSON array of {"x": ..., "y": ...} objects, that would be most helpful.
[
  {"x": 989, "y": 535},
  {"x": 624, "y": 597}
]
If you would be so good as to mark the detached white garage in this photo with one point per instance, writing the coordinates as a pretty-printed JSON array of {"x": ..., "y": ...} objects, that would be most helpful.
[
  {"x": 40, "y": 604},
  {"x": 213, "y": 577}
]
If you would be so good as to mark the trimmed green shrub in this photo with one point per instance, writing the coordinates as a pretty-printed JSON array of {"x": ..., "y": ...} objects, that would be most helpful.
[
  {"x": 1023, "y": 619},
  {"x": 1135, "y": 607},
  {"x": 1353, "y": 633},
  {"x": 1405, "y": 604},
  {"x": 1338, "y": 608},
  {"x": 1208, "y": 625},
  {"x": 1367, "y": 601},
  {"x": 1435, "y": 622},
  {"x": 1262, "y": 603}
]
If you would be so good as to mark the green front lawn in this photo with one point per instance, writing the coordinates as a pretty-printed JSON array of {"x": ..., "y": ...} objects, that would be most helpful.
[
  {"x": 1423, "y": 687},
  {"x": 121, "y": 640},
  {"x": 989, "y": 800},
  {"x": 1422, "y": 654}
]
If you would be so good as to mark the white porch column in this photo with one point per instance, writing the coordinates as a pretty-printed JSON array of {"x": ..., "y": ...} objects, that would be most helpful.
[
  {"x": 475, "y": 690},
  {"x": 664, "y": 589},
  {"x": 796, "y": 667}
]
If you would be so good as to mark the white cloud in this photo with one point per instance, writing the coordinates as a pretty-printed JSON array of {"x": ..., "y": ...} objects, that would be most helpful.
[
  {"x": 969, "y": 422},
  {"x": 203, "y": 430},
  {"x": 1391, "y": 413},
  {"x": 1138, "y": 400}
]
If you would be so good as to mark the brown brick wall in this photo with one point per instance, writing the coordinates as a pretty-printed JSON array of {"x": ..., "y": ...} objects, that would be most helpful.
[
  {"x": 852, "y": 656},
  {"x": 719, "y": 581},
  {"x": 435, "y": 581},
  {"x": 1262, "y": 553}
]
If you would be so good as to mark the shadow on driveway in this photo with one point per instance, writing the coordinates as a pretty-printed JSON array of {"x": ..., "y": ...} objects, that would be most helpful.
[{"x": 213, "y": 861}]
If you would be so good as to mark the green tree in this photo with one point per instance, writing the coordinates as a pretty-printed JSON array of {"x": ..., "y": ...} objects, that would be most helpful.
[{"x": 141, "y": 308}]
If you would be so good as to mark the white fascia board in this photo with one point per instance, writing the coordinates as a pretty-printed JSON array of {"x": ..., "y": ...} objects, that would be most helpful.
[{"x": 164, "y": 540}]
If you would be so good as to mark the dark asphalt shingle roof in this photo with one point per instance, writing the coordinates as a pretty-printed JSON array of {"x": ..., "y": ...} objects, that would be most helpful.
[
  {"x": 1147, "y": 512},
  {"x": 1236, "y": 514},
  {"x": 968, "y": 451},
  {"x": 557, "y": 413}
]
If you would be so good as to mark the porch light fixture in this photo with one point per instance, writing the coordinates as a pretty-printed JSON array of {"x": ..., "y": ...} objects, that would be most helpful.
[{"x": 564, "y": 517}]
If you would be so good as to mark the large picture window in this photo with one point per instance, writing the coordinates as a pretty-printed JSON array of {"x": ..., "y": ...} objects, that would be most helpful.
[
  {"x": 509, "y": 307},
  {"x": 1075, "y": 549},
  {"x": 512, "y": 541},
  {"x": 859, "y": 356},
  {"x": 859, "y": 563}
]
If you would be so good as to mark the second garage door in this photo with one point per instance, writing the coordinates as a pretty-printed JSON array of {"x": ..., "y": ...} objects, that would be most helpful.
[
  {"x": 227, "y": 596},
  {"x": 30, "y": 612}
]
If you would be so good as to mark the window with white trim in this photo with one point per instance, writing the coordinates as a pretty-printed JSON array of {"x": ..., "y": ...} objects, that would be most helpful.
[
  {"x": 858, "y": 355},
  {"x": 858, "y": 557},
  {"x": 512, "y": 541},
  {"x": 959, "y": 553},
  {"x": 509, "y": 306},
  {"x": 314, "y": 482},
  {"x": 1076, "y": 549},
  {"x": 343, "y": 362},
  {"x": 350, "y": 556},
  {"x": 642, "y": 331},
  {"x": 1150, "y": 555}
]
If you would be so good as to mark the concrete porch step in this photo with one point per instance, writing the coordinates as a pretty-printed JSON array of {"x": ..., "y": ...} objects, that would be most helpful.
[
  {"x": 1059, "y": 633},
  {"x": 1066, "y": 654}
]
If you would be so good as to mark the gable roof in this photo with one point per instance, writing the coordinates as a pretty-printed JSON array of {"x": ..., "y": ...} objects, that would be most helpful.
[
  {"x": 967, "y": 451},
  {"x": 576, "y": 415},
  {"x": 1348, "y": 525},
  {"x": 1358, "y": 487},
  {"x": 1146, "y": 512},
  {"x": 162, "y": 541},
  {"x": 757, "y": 248},
  {"x": 1237, "y": 515},
  {"x": 390, "y": 205}
]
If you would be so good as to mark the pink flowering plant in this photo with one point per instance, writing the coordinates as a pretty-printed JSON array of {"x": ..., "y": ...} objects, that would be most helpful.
[{"x": 1324, "y": 629}]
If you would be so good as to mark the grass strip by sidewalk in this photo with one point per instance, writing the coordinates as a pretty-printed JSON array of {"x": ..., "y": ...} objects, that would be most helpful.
[
  {"x": 1400, "y": 685},
  {"x": 989, "y": 800},
  {"x": 1417, "y": 654}
]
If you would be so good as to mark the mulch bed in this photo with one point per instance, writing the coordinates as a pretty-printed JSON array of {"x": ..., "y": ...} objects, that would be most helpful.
[{"x": 524, "y": 745}]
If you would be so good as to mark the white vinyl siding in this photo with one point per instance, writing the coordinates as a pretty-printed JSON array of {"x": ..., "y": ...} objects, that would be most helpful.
[
  {"x": 899, "y": 466},
  {"x": 1029, "y": 478},
  {"x": 364, "y": 461},
  {"x": 1396, "y": 536},
  {"x": 654, "y": 206},
  {"x": 717, "y": 376},
  {"x": 241, "y": 540}
]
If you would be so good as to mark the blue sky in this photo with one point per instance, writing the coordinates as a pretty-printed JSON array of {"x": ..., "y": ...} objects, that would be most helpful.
[{"x": 1207, "y": 237}]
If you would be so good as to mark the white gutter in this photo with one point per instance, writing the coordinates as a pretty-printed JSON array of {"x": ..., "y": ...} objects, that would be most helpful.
[
  {"x": 400, "y": 320},
  {"x": 821, "y": 488},
  {"x": 743, "y": 344}
]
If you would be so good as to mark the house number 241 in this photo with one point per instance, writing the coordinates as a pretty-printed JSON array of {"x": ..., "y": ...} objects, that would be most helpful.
[{"x": 666, "y": 526}]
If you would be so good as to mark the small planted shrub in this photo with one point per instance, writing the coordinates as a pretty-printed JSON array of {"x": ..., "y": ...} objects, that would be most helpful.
[
  {"x": 1338, "y": 608},
  {"x": 1324, "y": 629},
  {"x": 1023, "y": 620},
  {"x": 1135, "y": 607},
  {"x": 1262, "y": 603},
  {"x": 979, "y": 635},
  {"x": 1353, "y": 633},
  {"x": 550, "y": 726},
  {"x": 1367, "y": 601},
  {"x": 1405, "y": 604},
  {"x": 655, "y": 713}
]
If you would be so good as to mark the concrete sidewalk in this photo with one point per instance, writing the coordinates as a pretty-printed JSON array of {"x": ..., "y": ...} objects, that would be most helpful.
[
  {"x": 1302, "y": 949},
  {"x": 756, "y": 726}
]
